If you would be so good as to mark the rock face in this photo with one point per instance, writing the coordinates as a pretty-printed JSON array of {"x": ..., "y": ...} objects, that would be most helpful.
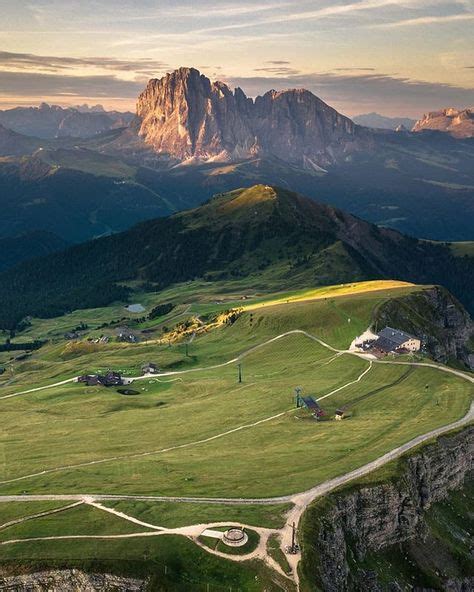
[
  {"x": 436, "y": 317},
  {"x": 371, "y": 519},
  {"x": 459, "y": 123},
  {"x": 69, "y": 581},
  {"x": 187, "y": 116}
]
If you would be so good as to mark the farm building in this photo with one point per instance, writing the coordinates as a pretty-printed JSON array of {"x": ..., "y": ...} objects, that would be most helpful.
[
  {"x": 89, "y": 379},
  {"x": 339, "y": 414},
  {"x": 392, "y": 340},
  {"x": 313, "y": 406},
  {"x": 109, "y": 379},
  {"x": 125, "y": 335},
  {"x": 71, "y": 335},
  {"x": 150, "y": 368}
]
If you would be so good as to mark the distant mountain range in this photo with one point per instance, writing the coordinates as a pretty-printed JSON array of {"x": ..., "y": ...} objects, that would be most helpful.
[
  {"x": 192, "y": 138},
  {"x": 52, "y": 121},
  {"x": 458, "y": 123},
  {"x": 267, "y": 235},
  {"x": 382, "y": 122}
]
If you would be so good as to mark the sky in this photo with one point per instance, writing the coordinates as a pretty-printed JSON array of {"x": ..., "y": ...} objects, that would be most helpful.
[{"x": 395, "y": 57}]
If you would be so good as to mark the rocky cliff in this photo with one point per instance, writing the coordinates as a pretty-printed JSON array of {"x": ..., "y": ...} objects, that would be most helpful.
[
  {"x": 70, "y": 580},
  {"x": 436, "y": 317},
  {"x": 396, "y": 535},
  {"x": 459, "y": 123},
  {"x": 186, "y": 116}
]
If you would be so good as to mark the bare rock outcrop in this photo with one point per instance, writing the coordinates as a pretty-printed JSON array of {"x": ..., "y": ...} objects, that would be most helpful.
[
  {"x": 457, "y": 122},
  {"x": 364, "y": 520},
  {"x": 187, "y": 116},
  {"x": 434, "y": 316},
  {"x": 70, "y": 580}
]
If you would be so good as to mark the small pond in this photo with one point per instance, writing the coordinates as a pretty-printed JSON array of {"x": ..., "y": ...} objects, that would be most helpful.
[{"x": 135, "y": 308}]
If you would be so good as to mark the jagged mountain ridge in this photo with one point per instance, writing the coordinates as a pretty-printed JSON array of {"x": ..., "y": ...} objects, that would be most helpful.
[
  {"x": 53, "y": 121},
  {"x": 263, "y": 233},
  {"x": 187, "y": 116},
  {"x": 457, "y": 122}
]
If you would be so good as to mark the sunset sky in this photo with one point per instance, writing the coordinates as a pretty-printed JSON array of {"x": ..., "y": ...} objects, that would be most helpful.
[{"x": 396, "y": 57}]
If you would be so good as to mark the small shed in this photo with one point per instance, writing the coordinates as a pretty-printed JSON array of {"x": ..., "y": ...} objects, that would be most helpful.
[
  {"x": 89, "y": 379},
  {"x": 313, "y": 406},
  {"x": 339, "y": 414},
  {"x": 150, "y": 368}
]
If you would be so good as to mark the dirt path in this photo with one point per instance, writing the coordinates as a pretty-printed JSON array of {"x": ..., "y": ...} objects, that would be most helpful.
[
  {"x": 300, "y": 501},
  {"x": 203, "y": 440},
  {"x": 40, "y": 388},
  {"x": 358, "y": 379},
  {"x": 40, "y": 515},
  {"x": 148, "y": 453}
]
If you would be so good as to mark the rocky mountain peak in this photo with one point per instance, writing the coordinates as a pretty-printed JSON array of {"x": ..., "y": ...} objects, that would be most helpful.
[
  {"x": 458, "y": 122},
  {"x": 186, "y": 116}
]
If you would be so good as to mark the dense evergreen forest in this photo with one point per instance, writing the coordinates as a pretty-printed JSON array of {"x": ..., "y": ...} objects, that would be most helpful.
[{"x": 232, "y": 236}]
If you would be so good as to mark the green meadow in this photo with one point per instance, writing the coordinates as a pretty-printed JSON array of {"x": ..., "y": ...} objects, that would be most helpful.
[{"x": 195, "y": 430}]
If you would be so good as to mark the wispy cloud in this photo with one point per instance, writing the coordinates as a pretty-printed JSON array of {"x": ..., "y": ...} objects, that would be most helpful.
[
  {"x": 36, "y": 86},
  {"x": 427, "y": 20},
  {"x": 361, "y": 92},
  {"x": 29, "y": 61},
  {"x": 278, "y": 70},
  {"x": 350, "y": 69},
  {"x": 350, "y": 93}
]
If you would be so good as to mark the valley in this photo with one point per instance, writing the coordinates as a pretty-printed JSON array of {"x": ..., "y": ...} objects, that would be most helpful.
[{"x": 236, "y": 296}]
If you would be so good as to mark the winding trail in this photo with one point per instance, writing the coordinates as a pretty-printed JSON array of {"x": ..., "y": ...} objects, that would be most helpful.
[
  {"x": 40, "y": 388},
  {"x": 300, "y": 500},
  {"x": 40, "y": 515},
  {"x": 148, "y": 453}
]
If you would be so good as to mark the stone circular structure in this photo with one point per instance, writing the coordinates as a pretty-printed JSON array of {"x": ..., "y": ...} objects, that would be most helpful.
[{"x": 235, "y": 537}]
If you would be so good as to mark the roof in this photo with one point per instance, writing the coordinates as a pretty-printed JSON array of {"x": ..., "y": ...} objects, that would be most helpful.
[
  {"x": 390, "y": 339},
  {"x": 310, "y": 403}
]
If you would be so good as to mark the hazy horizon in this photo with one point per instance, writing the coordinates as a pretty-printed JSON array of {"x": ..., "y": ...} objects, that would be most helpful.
[{"x": 394, "y": 57}]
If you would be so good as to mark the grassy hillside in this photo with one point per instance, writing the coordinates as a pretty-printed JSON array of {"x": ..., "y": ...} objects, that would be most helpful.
[
  {"x": 145, "y": 432},
  {"x": 261, "y": 233},
  {"x": 195, "y": 430}
]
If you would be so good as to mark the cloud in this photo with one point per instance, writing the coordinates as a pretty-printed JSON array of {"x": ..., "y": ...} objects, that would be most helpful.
[
  {"x": 278, "y": 70},
  {"x": 278, "y": 62},
  {"x": 28, "y": 61},
  {"x": 361, "y": 92},
  {"x": 37, "y": 85},
  {"x": 351, "y": 92},
  {"x": 426, "y": 20},
  {"x": 354, "y": 69}
]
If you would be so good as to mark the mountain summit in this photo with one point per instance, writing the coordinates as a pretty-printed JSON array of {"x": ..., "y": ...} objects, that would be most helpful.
[
  {"x": 458, "y": 123},
  {"x": 188, "y": 117},
  {"x": 263, "y": 234}
]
